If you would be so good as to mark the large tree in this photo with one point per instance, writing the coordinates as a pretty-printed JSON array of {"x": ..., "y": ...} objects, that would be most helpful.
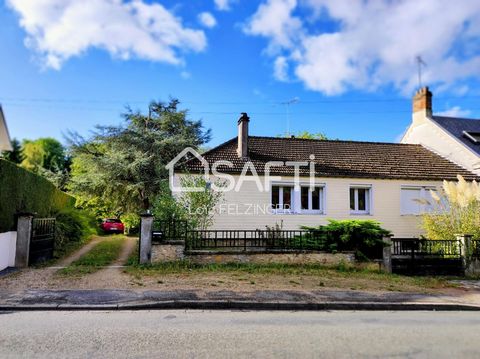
[
  {"x": 15, "y": 155},
  {"x": 123, "y": 167}
]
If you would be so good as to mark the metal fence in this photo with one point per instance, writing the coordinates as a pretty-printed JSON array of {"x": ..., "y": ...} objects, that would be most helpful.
[
  {"x": 42, "y": 240},
  {"x": 416, "y": 247},
  {"x": 169, "y": 230},
  {"x": 254, "y": 240}
]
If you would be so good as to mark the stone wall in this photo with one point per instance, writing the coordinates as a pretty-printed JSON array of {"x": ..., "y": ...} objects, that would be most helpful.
[{"x": 175, "y": 251}]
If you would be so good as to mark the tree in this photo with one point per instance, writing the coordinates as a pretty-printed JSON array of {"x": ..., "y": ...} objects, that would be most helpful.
[
  {"x": 46, "y": 153},
  {"x": 123, "y": 166},
  {"x": 15, "y": 155},
  {"x": 307, "y": 135},
  {"x": 200, "y": 206},
  {"x": 46, "y": 157},
  {"x": 456, "y": 211}
]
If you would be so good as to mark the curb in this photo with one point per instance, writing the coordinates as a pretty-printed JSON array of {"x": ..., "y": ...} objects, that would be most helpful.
[{"x": 253, "y": 306}]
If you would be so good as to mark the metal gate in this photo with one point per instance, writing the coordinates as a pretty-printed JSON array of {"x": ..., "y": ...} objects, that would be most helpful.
[
  {"x": 414, "y": 256},
  {"x": 42, "y": 240}
]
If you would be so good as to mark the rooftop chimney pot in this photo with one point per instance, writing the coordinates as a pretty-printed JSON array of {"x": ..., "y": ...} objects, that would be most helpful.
[{"x": 422, "y": 102}]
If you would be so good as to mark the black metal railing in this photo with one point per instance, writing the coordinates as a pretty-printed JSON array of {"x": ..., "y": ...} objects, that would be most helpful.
[
  {"x": 169, "y": 230},
  {"x": 418, "y": 247},
  {"x": 254, "y": 240}
]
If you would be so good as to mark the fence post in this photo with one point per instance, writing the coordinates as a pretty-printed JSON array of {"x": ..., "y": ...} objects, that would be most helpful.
[
  {"x": 146, "y": 226},
  {"x": 387, "y": 254},
  {"x": 24, "y": 234}
]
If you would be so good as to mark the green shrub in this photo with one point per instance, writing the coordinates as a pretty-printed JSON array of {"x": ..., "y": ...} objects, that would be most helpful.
[
  {"x": 24, "y": 191},
  {"x": 364, "y": 237},
  {"x": 73, "y": 225}
]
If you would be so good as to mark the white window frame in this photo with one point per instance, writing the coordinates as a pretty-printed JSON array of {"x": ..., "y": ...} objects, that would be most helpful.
[
  {"x": 321, "y": 199},
  {"x": 368, "y": 199},
  {"x": 423, "y": 190},
  {"x": 282, "y": 210}
]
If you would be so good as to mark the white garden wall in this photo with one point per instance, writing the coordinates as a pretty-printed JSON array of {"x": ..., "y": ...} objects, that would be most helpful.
[{"x": 8, "y": 243}]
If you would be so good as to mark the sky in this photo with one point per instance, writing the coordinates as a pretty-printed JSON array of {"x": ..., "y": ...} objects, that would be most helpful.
[{"x": 344, "y": 68}]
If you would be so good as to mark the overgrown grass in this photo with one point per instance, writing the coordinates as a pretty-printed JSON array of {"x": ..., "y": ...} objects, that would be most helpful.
[
  {"x": 340, "y": 276},
  {"x": 103, "y": 254}
]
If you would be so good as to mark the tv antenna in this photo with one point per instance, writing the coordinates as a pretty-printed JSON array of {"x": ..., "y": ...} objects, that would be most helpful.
[
  {"x": 287, "y": 107},
  {"x": 420, "y": 63}
]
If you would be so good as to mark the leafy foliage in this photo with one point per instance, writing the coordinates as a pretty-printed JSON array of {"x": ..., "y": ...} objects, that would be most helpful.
[
  {"x": 122, "y": 168},
  {"x": 308, "y": 135},
  {"x": 46, "y": 157},
  {"x": 364, "y": 237},
  {"x": 199, "y": 205},
  {"x": 24, "y": 191},
  {"x": 167, "y": 208},
  {"x": 73, "y": 225},
  {"x": 15, "y": 155},
  {"x": 457, "y": 211}
]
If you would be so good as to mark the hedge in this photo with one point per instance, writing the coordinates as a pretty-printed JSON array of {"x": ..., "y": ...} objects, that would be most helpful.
[{"x": 24, "y": 191}]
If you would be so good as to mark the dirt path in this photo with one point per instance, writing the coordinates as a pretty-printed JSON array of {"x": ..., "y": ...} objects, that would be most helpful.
[
  {"x": 79, "y": 253},
  {"x": 47, "y": 278}
]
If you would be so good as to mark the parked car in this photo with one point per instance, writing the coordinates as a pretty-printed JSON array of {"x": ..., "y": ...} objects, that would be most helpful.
[{"x": 112, "y": 225}]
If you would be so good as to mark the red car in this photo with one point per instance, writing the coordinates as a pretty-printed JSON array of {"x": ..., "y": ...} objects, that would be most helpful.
[{"x": 112, "y": 225}]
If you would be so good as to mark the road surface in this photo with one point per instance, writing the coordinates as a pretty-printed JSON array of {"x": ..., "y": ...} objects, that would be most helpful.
[{"x": 221, "y": 334}]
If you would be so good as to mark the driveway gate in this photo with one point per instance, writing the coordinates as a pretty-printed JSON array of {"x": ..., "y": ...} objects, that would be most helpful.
[
  {"x": 414, "y": 256},
  {"x": 42, "y": 240}
]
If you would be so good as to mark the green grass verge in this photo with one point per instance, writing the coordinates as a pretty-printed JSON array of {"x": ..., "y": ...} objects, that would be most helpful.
[
  {"x": 368, "y": 277},
  {"x": 103, "y": 254}
]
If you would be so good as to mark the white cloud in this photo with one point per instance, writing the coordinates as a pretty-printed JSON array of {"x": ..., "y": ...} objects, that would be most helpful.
[
  {"x": 207, "y": 19},
  {"x": 372, "y": 43},
  {"x": 223, "y": 5},
  {"x": 185, "y": 75},
  {"x": 280, "y": 67},
  {"x": 60, "y": 29},
  {"x": 455, "y": 111}
]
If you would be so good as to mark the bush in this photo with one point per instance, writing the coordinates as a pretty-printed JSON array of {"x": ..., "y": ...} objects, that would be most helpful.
[
  {"x": 364, "y": 237},
  {"x": 24, "y": 191},
  {"x": 456, "y": 211},
  {"x": 73, "y": 225}
]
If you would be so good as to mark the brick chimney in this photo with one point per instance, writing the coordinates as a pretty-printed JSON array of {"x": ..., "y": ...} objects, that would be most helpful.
[
  {"x": 242, "y": 149},
  {"x": 422, "y": 103}
]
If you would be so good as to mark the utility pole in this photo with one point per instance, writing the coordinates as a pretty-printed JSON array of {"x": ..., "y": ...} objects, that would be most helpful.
[
  {"x": 287, "y": 104},
  {"x": 420, "y": 63}
]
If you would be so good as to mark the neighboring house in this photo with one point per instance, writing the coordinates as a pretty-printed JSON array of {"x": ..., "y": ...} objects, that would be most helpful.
[
  {"x": 5, "y": 144},
  {"x": 457, "y": 139},
  {"x": 353, "y": 180}
]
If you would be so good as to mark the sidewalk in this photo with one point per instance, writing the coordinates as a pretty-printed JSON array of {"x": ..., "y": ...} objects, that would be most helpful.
[{"x": 224, "y": 299}]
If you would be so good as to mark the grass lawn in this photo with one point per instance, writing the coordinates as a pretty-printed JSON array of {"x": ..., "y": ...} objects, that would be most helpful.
[
  {"x": 281, "y": 276},
  {"x": 103, "y": 254}
]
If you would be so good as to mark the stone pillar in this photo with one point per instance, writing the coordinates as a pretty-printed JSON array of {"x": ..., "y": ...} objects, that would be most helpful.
[
  {"x": 465, "y": 249},
  {"x": 146, "y": 226},
  {"x": 24, "y": 234},
  {"x": 387, "y": 254}
]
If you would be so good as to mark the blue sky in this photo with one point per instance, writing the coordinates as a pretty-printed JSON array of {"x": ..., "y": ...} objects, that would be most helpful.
[{"x": 68, "y": 65}]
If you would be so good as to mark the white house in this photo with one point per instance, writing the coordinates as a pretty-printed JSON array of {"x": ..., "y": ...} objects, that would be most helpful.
[
  {"x": 8, "y": 239},
  {"x": 457, "y": 139},
  {"x": 302, "y": 182},
  {"x": 5, "y": 144}
]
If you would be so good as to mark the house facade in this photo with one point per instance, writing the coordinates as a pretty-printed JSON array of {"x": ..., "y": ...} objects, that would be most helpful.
[
  {"x": 292, "y": 182},
  {"x": 5, "y": 144},
  {"x": 457, "y": 139}
]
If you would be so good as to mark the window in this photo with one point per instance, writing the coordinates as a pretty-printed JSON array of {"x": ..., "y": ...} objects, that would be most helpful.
[
  {"x": 416, "y": 200},
  {"x": 311, "y": 200},
  {"x": 282, "y": 199},
  {"x": 360, "y": 200}
]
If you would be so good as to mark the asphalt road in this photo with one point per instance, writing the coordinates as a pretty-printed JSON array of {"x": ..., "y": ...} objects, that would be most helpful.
[{"x": 224, "y": 334}]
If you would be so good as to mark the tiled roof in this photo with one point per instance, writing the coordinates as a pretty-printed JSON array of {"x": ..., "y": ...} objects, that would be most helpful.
[
  {"x": 456, "y": 126},
  {"x": 346, "y": 159}
]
